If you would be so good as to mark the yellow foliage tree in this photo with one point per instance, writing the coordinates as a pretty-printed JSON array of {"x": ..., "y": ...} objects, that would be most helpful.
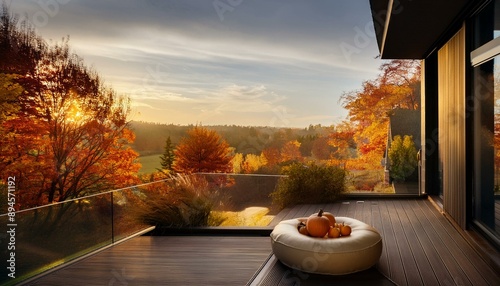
[
  {"x": 253, "y": 163},
  {"x": 238, "y": 163}
]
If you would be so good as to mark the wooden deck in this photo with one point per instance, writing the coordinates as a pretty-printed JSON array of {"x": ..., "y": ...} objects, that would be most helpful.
[
  {"x": 168, "y": 260},
  {"x": 421, "y": 247}
]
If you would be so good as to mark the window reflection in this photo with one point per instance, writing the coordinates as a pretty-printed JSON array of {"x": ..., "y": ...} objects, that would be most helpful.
[
  {"x": 487, "y": 145},
  {"x": 487, "y": 25},
  {"x": 496, "y": 144}
]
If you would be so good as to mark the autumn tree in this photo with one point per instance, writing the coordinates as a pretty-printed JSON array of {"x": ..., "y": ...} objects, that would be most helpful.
[
  {"x": 168, "y": 157},
  {"x": 253, "y": 163},
  {"x": 396, "y": 87},
  {"x": 272, "y": 156},
  {"x": 9, "y": 94},
  {"x": 291, "y": 151},
  {"x": 238, "y": 162},
  {"x": 342, "y": 141},
  {"x": 202, "y": 150},
  {"x": 70, "y": 136}
]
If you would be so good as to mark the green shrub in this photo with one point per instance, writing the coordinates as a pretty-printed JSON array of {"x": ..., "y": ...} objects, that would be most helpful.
[
  {"x": 309, "y": 184},
  {"x": 183, "y": 201},
  {"x": 402, "y": 157}
]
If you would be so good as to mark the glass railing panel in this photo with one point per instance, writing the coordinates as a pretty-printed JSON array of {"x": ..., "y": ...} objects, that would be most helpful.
[
  {"x": 45, "y": 237},
  {"x": 242, "y": 199},
  {"x": 125, "y": 221}
]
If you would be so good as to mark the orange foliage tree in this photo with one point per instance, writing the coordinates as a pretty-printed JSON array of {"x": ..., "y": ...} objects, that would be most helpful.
[
  {"x": 342, "y": 140},
  {"x": 70, "y": 136},
  {"x": 202, "y": 150},
  {"x": 272, "y": 156},
  {"x": 291, "y": 152},
  {"x": 398, "y": 86}
]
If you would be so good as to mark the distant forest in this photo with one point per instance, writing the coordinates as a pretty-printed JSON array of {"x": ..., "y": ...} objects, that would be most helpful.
[
  {"x": 151, "y": 137},
  {"x": 65, "y": 134}
]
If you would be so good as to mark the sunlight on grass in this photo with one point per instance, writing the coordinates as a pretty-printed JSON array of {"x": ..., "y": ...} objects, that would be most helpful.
[
  {"x": 149, "y": 163},
  {"x": 252, "y": 216},
  {"x": 368, "y": 181}
]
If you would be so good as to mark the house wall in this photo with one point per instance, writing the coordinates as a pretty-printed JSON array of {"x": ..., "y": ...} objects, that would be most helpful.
[{"x": 451, "y": 126}]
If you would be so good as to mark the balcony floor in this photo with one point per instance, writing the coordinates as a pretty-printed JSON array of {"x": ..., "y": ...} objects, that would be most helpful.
[
  {"x": 168, "y": 260},
  {"x": 421, "y": 247}
]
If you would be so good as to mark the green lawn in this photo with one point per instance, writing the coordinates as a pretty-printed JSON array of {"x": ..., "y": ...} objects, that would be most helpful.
[{"x": 149, "y": 163}]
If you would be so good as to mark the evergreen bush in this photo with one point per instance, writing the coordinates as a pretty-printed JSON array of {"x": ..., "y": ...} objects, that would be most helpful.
[{"x": 402, "y": 157}]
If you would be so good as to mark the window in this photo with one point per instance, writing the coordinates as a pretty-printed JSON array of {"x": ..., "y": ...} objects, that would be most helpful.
[{"x": 484, "y": 104}]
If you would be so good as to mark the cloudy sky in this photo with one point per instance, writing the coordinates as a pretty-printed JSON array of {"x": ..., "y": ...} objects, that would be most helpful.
[{"x": 281, "y": 63}]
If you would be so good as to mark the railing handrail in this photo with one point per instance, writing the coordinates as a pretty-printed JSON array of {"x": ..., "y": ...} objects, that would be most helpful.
[
  {"x": 131, "y": 187},
  {"x": 86, "y": 197},
  {"x": 239, "y": 174}
]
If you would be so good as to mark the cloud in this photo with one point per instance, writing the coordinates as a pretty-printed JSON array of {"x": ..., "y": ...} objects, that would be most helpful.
[
  {"x": 264, "y": 62},
  {"x": 246, "y": 99},
  {"x": 275, "y": 32}
]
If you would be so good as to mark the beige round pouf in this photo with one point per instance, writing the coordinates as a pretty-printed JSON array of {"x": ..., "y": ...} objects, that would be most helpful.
[{"x": 334, "y": 256}]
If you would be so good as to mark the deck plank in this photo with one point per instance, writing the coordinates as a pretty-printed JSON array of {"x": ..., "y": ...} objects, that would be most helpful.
[
  {"x": 378, "y": 223},
  {"x": 280, "y": 216},
  {"x": 168, "y": 260},
  {"x": 424, "y": 235},
  {"x": 445, "y": 247},
  {"x": 418, "y": 259},
  {"x": 394, "y": 258},
  {"x": 407, "y": 258},
  {"x": 469, "y": 266}
]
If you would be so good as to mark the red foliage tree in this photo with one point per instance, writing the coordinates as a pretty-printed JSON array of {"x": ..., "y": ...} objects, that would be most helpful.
[
  {"x": 202, "y": 150},
  {"x": 272, "y": 156},
  {"x": 69, "y": 137}
]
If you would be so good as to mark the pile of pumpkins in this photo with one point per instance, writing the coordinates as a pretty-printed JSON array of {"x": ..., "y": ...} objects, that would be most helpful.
[{"x": 323, "y": 224}]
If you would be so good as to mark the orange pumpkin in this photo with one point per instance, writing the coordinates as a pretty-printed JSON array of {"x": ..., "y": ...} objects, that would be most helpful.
[
  {"x": 334, "y": 232},
  {"x": 345, "y": 230},
  {"x": 318, "y": 225},
  {"x": 329, "y": 216}
]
